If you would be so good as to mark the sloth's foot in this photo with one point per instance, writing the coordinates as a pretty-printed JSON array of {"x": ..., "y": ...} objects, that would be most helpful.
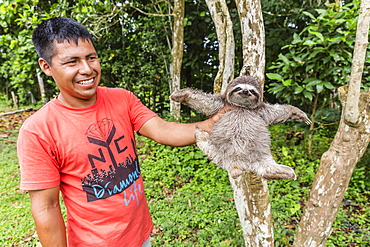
[
  {"x": 235, "y": 172},
  {"x": 181, "y": 95},
  {"x": 280, "y": 172},
  {"x": 202, "y": 138},
  {"x": 201, "y": 135}
]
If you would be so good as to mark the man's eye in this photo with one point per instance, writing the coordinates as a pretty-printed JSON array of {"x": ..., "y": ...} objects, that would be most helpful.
[
  {"x": 92, "y": 58},
  {"x": 71, "y": 62}
]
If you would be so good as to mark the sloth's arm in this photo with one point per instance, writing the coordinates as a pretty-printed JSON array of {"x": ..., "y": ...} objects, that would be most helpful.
[
  {"x": 274, "y": 114},
  {"x": 207, "y": 104}
]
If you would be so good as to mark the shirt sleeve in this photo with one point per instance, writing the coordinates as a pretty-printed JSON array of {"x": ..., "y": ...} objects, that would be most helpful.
[
  {"x": 140, "y": 114},
  {"x": 38, "y": 164}
]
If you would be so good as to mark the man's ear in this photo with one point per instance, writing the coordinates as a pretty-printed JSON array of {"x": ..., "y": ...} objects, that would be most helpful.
[{"x": 45, "y": 66}]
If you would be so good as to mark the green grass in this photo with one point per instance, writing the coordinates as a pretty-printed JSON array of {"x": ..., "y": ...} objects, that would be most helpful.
[
  {"x": 191, "y": 201},
  {"x": 17, "y": 228}
]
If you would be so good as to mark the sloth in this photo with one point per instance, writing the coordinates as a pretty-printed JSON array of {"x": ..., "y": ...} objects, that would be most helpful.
[{"x": 240, "y": 141}]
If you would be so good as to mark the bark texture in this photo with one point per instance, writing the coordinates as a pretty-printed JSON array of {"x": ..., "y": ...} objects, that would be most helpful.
[
  {"x": 252, "y": 202},
  {"x": 177, "y": 53},
  {"x": 351, "y": 113},
  {"x": 226, "y": 44},
  {"x": 253, "y": 31}
]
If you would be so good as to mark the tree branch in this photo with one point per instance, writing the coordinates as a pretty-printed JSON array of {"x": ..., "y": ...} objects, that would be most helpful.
[{"x": 351, "y": 112}]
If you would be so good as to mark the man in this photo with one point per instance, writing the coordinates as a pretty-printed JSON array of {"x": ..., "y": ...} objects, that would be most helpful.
[{"x": 82, "y": 144}]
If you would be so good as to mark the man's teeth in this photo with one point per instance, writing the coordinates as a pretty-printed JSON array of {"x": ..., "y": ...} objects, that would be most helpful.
[{"x": 85, "y": 82}]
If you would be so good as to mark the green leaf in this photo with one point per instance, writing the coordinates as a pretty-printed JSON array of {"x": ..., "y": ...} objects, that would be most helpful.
[
  {"x": 294, "y": 209},
  {"x": 328, "y": 85},
  {"x": 316, "y": 51},
  {"x": 284, "y": 59},
  {"x": 309, "y": 15},
  {"x": 298, "y": 90},
  {"x": 319, "y": 88},
  {"x": 287, "y": 82},
  {"x": 335, "y": 55},
  {"x": 308, "y": 95},
  {"x": 309, "y": 43},
  {"x": 317, "y": 34},
  {"x": 285, "y": 151},
  {"x": 296, "y": 39},
  {"x": 274, "y": 76},
  {"x": 321, "y": 11},
  {"x": 276, "y": 88},
  {"x": 312, "y": 82}
]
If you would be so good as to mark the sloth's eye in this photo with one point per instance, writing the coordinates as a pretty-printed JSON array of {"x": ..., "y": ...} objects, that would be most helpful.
[
  {"x": 237, "y": 89},
  {"x": 254, "y": 93}
]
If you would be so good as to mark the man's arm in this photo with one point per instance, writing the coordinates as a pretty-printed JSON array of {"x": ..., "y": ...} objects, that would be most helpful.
[
  {"x": 172, "y": 133},
  {"x": 178, "y": 134},
  {"x": 46, "y": 212}
]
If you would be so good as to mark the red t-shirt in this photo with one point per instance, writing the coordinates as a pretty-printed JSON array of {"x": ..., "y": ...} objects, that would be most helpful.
[{"x": 90, "y": 153}]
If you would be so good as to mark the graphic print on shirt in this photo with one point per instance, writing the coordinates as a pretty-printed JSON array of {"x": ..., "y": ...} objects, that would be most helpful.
[{"x": 101, "y": 184}]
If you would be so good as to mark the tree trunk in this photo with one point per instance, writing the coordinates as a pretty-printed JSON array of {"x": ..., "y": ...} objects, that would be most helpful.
[
  {"x": 177, "y": 53},
  {"x": 348, "y": 147},
  {"x": 226, "y": 44},
  {"x": 351, "y": 115},
  {"x": 252, "y": 202},
  {"x": 333, "y": 176},
  {"x": 253, "y": 32},
  {"x": 44, "y": 100},
  {"x": 251, "y": 193}
]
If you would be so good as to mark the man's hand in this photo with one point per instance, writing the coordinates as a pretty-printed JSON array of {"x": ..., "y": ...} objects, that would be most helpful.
[{"x": 208, "y": 124}]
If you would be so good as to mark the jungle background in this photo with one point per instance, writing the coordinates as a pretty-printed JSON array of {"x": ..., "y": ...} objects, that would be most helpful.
[{"x": 309, "y": 47}]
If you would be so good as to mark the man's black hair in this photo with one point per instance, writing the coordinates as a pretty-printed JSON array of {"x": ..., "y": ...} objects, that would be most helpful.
[{"x": 57, "y": 29}]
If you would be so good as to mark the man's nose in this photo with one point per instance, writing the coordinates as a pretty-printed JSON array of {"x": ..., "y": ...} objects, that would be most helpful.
[{"x": 85, "y": 68}]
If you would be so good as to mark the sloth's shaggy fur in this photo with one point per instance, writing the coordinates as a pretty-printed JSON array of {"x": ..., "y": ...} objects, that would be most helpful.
[{"x": 240, "y": 141}]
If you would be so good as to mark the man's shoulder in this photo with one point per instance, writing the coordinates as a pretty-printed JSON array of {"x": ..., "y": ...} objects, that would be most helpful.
[
  {"x": 41, "y": 116},
  {"x": 115, "y": 93},
  {"x": 103, "y": 89}
]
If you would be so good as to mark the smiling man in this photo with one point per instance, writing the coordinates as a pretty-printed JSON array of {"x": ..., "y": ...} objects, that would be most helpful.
[{"x": 82, "y": 143}]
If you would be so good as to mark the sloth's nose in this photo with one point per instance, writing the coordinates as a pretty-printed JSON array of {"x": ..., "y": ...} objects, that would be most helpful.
[{"x": 245, "y": 91}]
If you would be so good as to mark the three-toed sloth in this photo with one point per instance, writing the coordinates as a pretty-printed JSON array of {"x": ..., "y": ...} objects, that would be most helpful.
[{"x": 240, "y": 141}]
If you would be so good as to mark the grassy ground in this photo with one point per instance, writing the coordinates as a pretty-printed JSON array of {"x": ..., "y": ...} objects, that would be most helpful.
[
  {"x": 190, "y": 199},
  {"x": 17, "y": 228}
]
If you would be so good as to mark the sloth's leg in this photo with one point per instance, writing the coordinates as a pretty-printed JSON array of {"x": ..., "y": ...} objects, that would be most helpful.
[
  {"x": 203, "y": 143},
  {"x": 206, "y": 146},
  {"x": 270, "y": 170},
  {"x": 234, "y": 172}
]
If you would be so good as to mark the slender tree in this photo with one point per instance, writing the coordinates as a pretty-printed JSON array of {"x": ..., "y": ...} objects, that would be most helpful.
[
  {"x": 226, "y": 44},
  {"x": 251, "y": 192},
  {"x": 177, "y": 53},
  {"x": 348, "y": 146}
]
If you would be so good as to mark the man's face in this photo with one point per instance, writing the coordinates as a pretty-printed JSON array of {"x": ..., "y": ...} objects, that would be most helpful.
[{"x": 76, "y": 71}]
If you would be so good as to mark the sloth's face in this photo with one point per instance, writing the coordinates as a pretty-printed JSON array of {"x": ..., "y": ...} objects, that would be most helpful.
[{"x": 243, "y": 95}]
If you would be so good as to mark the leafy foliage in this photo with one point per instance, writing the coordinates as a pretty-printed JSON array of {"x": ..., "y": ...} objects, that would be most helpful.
[
  {"x": 134, "y": 42},
  {"x": 318, "y": 60},
  {"x": 283, "y": 19},
  {"x": 132, "y": 54}
]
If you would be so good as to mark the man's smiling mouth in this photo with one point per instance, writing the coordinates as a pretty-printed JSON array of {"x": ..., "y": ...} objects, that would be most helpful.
[{"x": 87, "y": 82}]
